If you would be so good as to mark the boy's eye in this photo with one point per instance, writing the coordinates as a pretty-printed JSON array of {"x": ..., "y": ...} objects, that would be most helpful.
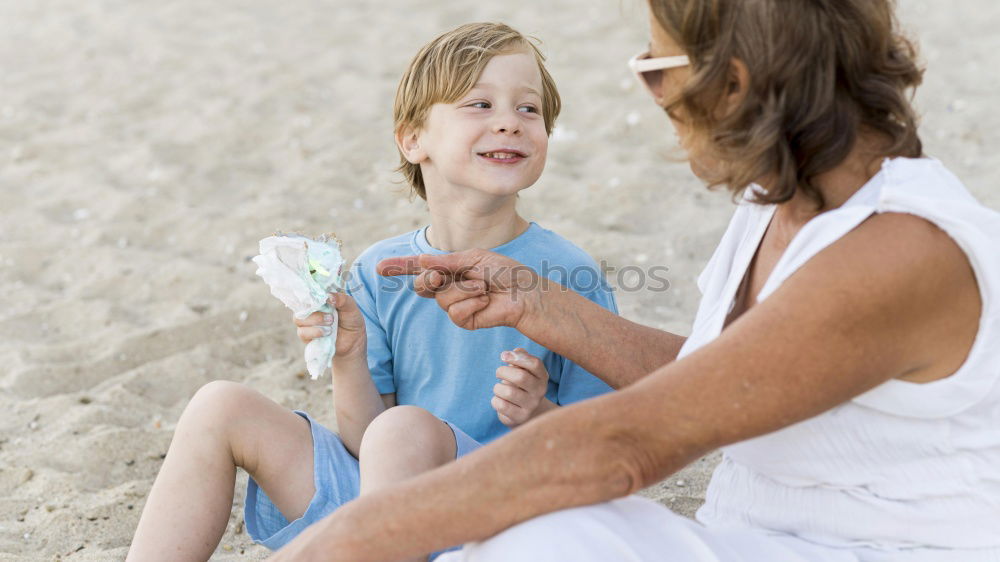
[
  {"x": 528, "y": 109},
  {"x": 480, "y": 104}
]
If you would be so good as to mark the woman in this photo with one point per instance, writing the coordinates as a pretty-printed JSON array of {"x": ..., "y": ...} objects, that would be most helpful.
[{"x": 845, "y": 354}]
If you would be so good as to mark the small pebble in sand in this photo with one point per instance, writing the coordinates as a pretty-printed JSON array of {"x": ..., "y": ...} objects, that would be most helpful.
[
  {"x": 27, "y": 536},
  {"x": 227, "y": 548},
  {"x": 244, "y": 315},
  {"x": 633, "y": 118},
  {"x": 81, "y": 214},
  {"x": 681, "y": 483}
]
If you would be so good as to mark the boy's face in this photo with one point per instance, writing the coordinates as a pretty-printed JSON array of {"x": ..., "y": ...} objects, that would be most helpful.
[{"x": 493, "y": 138}]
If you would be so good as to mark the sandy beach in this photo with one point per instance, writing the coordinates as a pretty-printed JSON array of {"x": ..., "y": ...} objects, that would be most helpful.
[{"x": 146, "y": 147}]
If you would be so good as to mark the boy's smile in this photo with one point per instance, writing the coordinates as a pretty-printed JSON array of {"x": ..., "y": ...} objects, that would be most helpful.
[
  {"x": 504, "y": 156},
  {"x": 492, "y": 139}
]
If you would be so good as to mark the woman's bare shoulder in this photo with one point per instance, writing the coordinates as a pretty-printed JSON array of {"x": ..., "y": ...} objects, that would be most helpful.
[
  {"x": 894, "y": 298},
  {"x": 902, "y": 282}
]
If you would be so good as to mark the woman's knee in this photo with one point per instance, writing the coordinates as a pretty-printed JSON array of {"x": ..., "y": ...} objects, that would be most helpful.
[
  {"x": 624, "y": 529},
  {"x": 547, "y": 538},
  {"x": 406, "y": 430}
]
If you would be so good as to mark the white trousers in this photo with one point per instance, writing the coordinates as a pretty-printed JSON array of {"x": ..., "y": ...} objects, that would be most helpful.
[{"x": 636, "y": 529}]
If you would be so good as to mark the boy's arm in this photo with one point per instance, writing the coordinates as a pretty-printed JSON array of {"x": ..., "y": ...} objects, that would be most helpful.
[
  {"x": 358, "y": 398},
  {"x": 546, "y": 405},
  {"x": 356, "y": 401}
]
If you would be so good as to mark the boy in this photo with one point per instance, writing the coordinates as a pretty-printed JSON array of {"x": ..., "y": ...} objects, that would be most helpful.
[{"x": 472, "y": 118}]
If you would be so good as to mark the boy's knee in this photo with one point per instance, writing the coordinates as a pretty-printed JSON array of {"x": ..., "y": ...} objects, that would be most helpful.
[
  {"x": 402, "y": 417},
  {"x": 219, "y": 400},
  {"x": 410, "y": 429}
]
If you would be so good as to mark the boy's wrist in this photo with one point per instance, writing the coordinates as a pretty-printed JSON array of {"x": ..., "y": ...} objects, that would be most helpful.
[
  {"x": 350, "y": 359},
  {"x": 545, "y": 405}
]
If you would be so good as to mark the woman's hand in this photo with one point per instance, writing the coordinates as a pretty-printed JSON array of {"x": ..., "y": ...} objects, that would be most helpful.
[
  {"x": 351, "y": 339},
  {"x": 477, "y": 288},
  {"x": 521, "y": 393}
]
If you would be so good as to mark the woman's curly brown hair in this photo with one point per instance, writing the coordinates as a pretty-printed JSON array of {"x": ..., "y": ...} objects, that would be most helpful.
[{"x": 820, "y": 72}]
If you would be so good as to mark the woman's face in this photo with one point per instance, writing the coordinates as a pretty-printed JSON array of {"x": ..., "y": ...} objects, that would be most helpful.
[{"x": 661, "y": 44}]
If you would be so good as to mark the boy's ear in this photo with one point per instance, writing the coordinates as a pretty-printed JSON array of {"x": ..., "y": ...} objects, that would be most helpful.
[{"x": 408, "y": 141}]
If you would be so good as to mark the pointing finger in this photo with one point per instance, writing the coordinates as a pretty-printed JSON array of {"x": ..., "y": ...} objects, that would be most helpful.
[{"x": 403, "y": 265}]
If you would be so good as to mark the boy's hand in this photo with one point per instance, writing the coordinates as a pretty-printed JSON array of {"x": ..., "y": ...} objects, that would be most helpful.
[
  {"x": 521, "y": 392},
  {"x": 351, "y": 339}
]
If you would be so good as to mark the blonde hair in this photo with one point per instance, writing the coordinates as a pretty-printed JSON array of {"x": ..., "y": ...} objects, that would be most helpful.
[
  {"x": 821, "y": 71},
  {"x": 448, "y": 67}
]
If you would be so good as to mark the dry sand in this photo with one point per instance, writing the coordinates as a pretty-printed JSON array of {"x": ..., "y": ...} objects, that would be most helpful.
[{"x": 145, "y": 147}]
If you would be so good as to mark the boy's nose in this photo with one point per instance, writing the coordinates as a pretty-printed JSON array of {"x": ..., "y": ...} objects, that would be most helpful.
[{"x": 506, "y": 123}]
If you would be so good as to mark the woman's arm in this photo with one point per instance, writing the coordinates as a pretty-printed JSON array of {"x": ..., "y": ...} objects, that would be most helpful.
[
  {"x": 892, "y": 298},
  {"x": 616, "y": 350},
  {"x": 480, "y": 289}
]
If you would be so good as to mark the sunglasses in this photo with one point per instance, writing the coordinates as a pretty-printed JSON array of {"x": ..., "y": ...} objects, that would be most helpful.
[{"x": 649, "y": 70}]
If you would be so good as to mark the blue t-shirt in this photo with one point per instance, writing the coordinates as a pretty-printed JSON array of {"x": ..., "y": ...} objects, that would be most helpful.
[{"x": 416, "y": 352}]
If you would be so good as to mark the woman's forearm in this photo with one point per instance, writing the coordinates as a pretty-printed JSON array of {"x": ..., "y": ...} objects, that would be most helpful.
[
  {"x": 616, "y": 350},
  {"x": 356, "y": 401},
  {"x": 569, "y": 457}
]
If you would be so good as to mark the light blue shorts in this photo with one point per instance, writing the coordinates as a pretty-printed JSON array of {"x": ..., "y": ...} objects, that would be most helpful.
[{"x": 337, "y": 479}]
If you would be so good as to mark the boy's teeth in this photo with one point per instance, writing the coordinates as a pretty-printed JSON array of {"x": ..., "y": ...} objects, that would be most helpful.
[{"x": 500, "y": 155}]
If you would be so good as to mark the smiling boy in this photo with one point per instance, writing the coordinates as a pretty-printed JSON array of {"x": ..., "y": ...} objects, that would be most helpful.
[
  {"x": 472, "y": 118},
  {"x": 411, "y": 390}
]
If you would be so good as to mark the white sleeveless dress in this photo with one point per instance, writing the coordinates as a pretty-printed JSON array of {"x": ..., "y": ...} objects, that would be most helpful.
[{"x": 906, "y": 471}]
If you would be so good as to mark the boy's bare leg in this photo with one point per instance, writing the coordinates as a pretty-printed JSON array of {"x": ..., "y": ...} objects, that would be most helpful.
[
  {"x": 400, "y": 443},
  {"x": 224, "y": 426}
]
